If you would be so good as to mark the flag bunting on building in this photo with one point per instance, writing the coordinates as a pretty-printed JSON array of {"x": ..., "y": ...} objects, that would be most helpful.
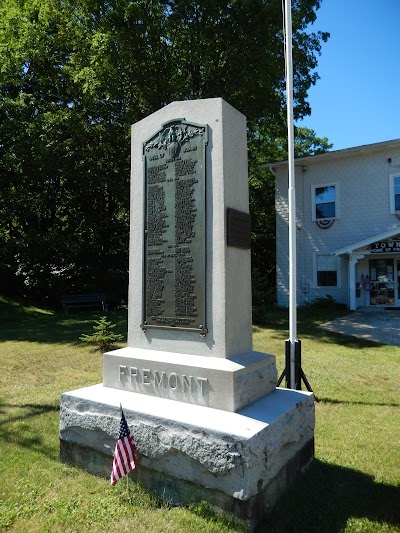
[{"x": 125, "y": 452}]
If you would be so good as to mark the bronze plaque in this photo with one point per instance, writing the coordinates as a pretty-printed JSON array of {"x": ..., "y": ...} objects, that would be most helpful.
[
  {"x": 175, "y": 224},
  {"x": 238, "y": 228}
]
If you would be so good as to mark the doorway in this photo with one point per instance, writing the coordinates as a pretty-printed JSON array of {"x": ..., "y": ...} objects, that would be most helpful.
[{"x": 385, "y": 276}]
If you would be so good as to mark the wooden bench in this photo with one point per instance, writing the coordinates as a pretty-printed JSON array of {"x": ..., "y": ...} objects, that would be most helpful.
[{"x": 84, "y": 300}]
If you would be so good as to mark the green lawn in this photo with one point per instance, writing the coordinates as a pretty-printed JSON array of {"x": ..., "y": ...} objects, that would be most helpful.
[{"x": 352, "y": 486}]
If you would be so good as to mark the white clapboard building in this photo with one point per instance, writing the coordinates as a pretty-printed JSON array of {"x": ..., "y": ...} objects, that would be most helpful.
[{"x": 348, "y": 226}]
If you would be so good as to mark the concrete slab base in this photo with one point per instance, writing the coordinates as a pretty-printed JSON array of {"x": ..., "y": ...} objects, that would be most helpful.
[{"x": 239, "y": 462}]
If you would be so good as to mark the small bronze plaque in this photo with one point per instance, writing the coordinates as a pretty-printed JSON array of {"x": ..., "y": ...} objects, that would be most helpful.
[
  {"x": 175, "y": 225},
  {"x": 238, "y": 228}
]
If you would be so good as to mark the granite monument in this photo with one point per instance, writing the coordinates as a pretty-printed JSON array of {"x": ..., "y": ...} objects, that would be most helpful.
[{"x": 207, "y": 418}]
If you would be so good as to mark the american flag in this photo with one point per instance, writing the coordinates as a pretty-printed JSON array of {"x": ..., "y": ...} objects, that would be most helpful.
[{"x": 125, "y": 452}]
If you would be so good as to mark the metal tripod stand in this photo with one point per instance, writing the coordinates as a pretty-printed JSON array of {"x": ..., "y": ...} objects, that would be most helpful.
[{"x": 298, "y": 371}]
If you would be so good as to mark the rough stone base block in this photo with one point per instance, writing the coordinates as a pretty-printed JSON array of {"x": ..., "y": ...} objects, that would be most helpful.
[
  {"x": 239, "y": 462},
  {"x": 179, "y": 492}
]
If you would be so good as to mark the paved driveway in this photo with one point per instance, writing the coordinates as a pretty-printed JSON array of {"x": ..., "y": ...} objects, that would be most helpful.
[{"x": 376, "y": 324}]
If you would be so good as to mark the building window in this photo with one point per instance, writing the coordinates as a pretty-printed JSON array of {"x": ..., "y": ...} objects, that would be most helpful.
[
  {"x": 395, "y": 193},
  {"x": 327, "y": 271},
  {"x": 324, "y": 202}
]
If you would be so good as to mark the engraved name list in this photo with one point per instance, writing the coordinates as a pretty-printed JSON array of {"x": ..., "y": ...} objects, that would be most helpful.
[{"x": 174, "y": 255}]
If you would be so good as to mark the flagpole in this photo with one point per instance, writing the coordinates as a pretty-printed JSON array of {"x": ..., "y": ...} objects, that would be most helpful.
[{"x": 291, "y": 196}]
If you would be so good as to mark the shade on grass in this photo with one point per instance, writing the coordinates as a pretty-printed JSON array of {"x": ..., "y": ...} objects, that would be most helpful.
[{"x": 352, "y": 485}]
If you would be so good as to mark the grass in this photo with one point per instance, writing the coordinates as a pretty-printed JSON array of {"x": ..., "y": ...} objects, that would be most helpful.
[{"x": 352, "y": 486}]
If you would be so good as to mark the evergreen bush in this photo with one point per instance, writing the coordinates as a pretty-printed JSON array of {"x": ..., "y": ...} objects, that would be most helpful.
[{"x": 103, "y": 337}]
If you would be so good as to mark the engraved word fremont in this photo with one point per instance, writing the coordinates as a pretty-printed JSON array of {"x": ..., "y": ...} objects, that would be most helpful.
[{"x": 175, "y": 216}]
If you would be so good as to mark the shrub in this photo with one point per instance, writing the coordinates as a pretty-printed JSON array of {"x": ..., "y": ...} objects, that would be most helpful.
[
  {"x": 103, "y": 337},
  {"x": 326, "y": 301}
]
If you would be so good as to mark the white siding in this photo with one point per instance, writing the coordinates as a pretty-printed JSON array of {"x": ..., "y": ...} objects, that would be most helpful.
[{"x": 364, "y": 201}]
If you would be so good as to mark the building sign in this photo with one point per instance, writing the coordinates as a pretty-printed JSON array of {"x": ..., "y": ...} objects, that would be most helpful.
[
  {"x": 385, "y": 247},
  {"x": 175, "y": 224}
]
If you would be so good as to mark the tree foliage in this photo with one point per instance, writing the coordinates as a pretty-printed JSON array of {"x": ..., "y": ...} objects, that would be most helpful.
[{"x": 74, "y": 75}]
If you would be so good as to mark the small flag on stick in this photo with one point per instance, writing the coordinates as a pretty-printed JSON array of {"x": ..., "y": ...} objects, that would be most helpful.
[{"x": 125, "y": 452}]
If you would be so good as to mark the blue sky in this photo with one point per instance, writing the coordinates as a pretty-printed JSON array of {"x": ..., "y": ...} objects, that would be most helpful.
[{"x": 357, "y": 99}]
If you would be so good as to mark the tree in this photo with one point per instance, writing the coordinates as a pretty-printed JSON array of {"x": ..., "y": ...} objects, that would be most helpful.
[
  {"x": 63, "y": 171},
  {"x": 73, "y": 77},
  {"x": 103, "y": 337}
]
